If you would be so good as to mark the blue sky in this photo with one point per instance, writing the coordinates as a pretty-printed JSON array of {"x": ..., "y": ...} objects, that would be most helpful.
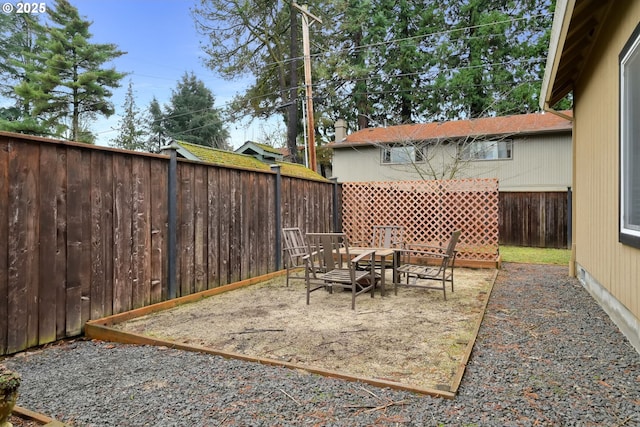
[{"x": 162, "y": 43}]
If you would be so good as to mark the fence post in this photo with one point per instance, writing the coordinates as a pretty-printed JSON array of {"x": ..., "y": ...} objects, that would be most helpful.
[
  {"x": 172, "y": 222},
  {"x": 278, "y": 216},
  {"x": 336, "y": 211}
]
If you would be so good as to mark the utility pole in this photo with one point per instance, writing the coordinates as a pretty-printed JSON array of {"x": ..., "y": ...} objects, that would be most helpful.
[{"x": 307, "y": 81}]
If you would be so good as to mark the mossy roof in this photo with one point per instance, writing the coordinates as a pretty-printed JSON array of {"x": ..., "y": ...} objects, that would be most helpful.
[{"x": 229, "y": 158}]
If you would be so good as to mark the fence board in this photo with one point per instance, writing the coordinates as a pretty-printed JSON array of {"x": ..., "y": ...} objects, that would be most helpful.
[
  {"x": 186, "y": 229},
  {"x": 77, "y": 246},
  {"x": 122, "y": 234},
  {"x": 200, "y": 228},
  {"x": 48, "y": 244},
  {"x": 235, "y": 226},
  {"x": 159, "y": 214},
  {"x": 5, "y": 148},
  {"x": 22, "y": 247},
  {"x": 225, "y": 224},
  {"x": 214, "y": 208},
  {"x": 141, "y": 233},
  {"x": 60, "y": 276},
  {"x": 246, "y": 205},
  {"x": 101, "y": 233}
]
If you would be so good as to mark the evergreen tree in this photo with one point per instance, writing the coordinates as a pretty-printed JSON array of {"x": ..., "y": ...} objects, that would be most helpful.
[
  {"x": 73, "y": 83},
  {"x": 131, "y": 127},
  {"x": 384, "y": 61},
  {"x": 21, "y": 36},
  {"x": 156, "y": 133},
  {"x": 191, "y": 115},
  {"x": 257, "y": 37}
]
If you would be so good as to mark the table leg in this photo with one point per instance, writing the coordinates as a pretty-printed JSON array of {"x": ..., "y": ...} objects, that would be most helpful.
[{"x": 383, "y": 273}]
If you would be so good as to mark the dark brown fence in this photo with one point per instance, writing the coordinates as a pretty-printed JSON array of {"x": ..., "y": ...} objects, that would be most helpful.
[
  {"x": 537, "y": 219},
  {"x": 84, "y": 231}
]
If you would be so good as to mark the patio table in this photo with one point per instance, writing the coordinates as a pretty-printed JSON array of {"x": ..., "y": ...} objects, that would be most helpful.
[{"x": 381, "y": 254}]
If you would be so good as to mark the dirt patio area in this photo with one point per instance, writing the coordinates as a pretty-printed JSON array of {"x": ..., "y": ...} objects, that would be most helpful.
[{"x": 415, "y": 339}]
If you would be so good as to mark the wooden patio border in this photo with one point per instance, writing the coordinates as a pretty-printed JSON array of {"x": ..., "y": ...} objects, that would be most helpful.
[{"x": 101, "y": 329}]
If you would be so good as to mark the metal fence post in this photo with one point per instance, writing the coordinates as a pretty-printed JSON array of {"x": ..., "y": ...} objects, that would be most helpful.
[
  {"x": 172, "y": 219},
  {"x": 278, "y": 216}
]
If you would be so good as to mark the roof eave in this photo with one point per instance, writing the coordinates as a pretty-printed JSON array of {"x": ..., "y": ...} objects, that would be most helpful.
[{"x": 559, "y": 30}]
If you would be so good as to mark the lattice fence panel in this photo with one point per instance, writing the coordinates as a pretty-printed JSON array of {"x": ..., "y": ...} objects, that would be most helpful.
[{"x": 429, "y": 210}]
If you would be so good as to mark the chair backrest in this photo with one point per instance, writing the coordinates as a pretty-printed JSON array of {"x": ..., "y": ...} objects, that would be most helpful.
[
  {"x": 325, "y": 250},
  {"x": 453, "y": 241},
  {"x": 450, "y": 259},
  {"x": 387, "y": 236},
  {"x": 294, "y": 244}
]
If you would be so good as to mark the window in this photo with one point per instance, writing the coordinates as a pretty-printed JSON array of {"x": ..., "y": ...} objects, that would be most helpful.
[
  {"x": 487, "y": 150},
  {"x": 630, "y": 141},
  {"x": 404, "y": 154}
]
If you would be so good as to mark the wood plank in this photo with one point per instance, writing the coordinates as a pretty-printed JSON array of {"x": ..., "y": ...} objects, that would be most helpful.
[
  {"x": 22, "y": 188},
  {"x": 122, "y": 298},
  {"x": 235, "y": 227},
  {"x": 213, "y": 228},
  {"x": 98, "y": 273},
  {"x": 48, "y": 244},
  {"x": 32, "y": 253},
  {"x": 6, "y": 146},
  {"x": 141, "y": 232},
  {"x": 101, "y": 218},
  {"x": 77, "y": 248},
  {"x": 159, "y": 214},
  {"x": 60, "y": 273},
  {"x": 246, "y": 230},
  {"x": 85, "y": 260},
  {"x": 201, "y": 224},
  {"x": 185, "y": 229},
  {"x": 224, "y": 198}
]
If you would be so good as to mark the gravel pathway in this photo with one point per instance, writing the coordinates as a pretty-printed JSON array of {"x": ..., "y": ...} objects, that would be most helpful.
[{"x": 546, "y": 355}]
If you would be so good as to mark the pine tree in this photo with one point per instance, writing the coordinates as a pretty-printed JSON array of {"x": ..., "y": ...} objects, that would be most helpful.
[
  {"x": 20, "y": 44},
  {"x": 131, "y": 127},
  {"x": 156, "y": 133},
  {"x": 73, "y": 84},
  {"x": 191, "y": 115}
]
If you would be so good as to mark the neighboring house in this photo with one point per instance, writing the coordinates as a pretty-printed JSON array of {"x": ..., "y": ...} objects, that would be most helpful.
[
  {"x": 595, "y": 53},
  {"x": 229, "y": 158},
  {"x": 262, "y": 152},
  {"x": 530, "y": 154}
]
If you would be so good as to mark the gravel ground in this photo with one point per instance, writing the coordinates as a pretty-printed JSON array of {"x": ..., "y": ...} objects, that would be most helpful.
[{"x": 546, "y": 355}]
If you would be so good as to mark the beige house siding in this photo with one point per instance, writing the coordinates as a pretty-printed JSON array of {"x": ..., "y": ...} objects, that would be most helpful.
[
  {"x": 598, "y": 254},
  {"x": 539, "y": 163}
]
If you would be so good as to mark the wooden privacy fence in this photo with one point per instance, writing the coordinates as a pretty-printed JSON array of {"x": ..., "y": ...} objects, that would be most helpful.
[
  {"x": 430, "y": 211},
  {"x": 84, "y": 231},
  {"x": 538, "y": 219}
]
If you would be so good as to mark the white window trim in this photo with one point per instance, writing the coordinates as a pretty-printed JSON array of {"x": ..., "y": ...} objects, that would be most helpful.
[
  {"x": 471, "y": 159},
  {"x": 628, "y": 235},
  {"x": 415, "y": 147}
]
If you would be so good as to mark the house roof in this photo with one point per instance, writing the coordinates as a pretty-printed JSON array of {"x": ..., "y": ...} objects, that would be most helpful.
[
  {"x": 263, "y": 150},
  {"x": 534, "y": 123},
  {"x": 230, "y": 158},
  {"x": 576, "y": 25}
]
